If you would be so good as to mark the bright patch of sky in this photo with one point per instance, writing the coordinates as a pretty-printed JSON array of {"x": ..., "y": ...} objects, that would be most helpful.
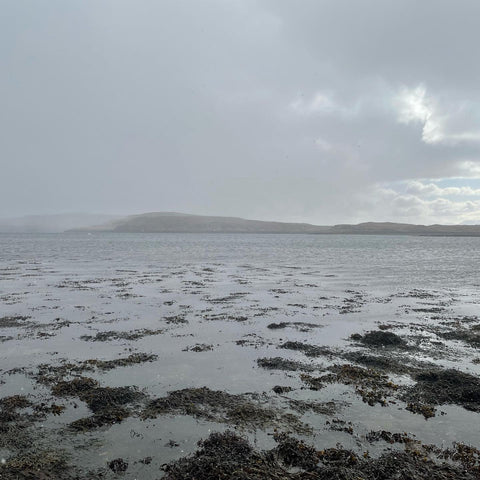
[{"x": 451, "y": 187}]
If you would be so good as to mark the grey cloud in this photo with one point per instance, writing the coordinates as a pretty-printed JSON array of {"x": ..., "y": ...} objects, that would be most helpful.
[{"x": 263, "y": 109}]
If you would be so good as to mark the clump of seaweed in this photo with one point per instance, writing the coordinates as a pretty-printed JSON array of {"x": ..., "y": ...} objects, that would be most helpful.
[
  {"x": 279, "y": 363},
  {"x": 175, "y": 320},
  {"x": 313, "y": 383},
  {"x": 107, "y": 403},
  {"x": 220, "y": 406},
  {"x": 308, "y": 350},
  {"x": 279, "y": 389},
  {"x": 119, "y": 465},
  {"x": 31, "y": 465},
  {"x": 75, "y": 388},
  {"x": 224, "y": 455},
  {"x": 101, "y": 399},
  {"x": 386, "y": 363},
  {"x": 108, "y": 416},
  {"x": 470, "y": 337},
  {"x": 228, "y": 456},
  {"x": 373, "y": 386},
  {"x": 14, "y": 321},
  {"x": 389, "y": 437},
  {"x": 14, "y": 434},
  {"x": 199, "y": 347},
  {"x": 295, "y": 453},
  {"x": 14, "y": 402},
  {"x": 133, "y": 359},
  {"x": 113, "y": 335},
  {"x": 428, "y": 411},
  {"x": 466, "y": 455},
  {"x": 450, "y": 386},
  {"x": 49, "y": 374},
  {"x": 380, "y": 339},
  {"x": 339, "y": 425},
  {"x": 301, "y": 326}
]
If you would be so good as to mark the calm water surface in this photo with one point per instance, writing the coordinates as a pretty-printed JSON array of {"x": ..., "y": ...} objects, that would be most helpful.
[{"x": 377, "y": 260}]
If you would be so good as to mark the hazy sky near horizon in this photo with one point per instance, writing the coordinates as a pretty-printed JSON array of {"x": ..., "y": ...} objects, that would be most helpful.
[{"x": 326, "y": 111}]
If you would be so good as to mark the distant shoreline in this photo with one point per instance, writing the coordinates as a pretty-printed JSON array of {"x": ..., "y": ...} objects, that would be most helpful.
[
  {"x": 173, "y": 222},
  {"x": 168, "y": 222},
  {"x": 331, "y": 234}
]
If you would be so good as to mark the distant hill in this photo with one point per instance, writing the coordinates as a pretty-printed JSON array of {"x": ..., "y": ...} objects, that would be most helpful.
[
  {"x": 388, "y": 228},
  {"x": 171, "y": 222},
  {"x": 51, "y": 223}
]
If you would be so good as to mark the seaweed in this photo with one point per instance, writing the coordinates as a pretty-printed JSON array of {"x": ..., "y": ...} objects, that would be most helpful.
[
  {"x": 113, "y": 335},
  {"x": 14, "y": 321},
  {"x": 386, "y": 363},
  {"x": 381, "y": 339},
  {"x": 373, "y": 386},
  {"x": 313, "y": 383},
  {"x": 13, "y": 425},
  {"x": 107, "y": 403},
  {"x": 469, "y": 337},
  {"x": 389, "y": 437},
  {"x": 48, "y": 373},
  {"x": 100, "y": 419},
  {"x": 33, "y": 465},
  {"x": 228, "y": 456},
  {"x": 199, "y": 347},
  {"x": 220, "y": 406},
  {"x": 450, "y": 386},
  {"x": 281, "y": 389},
  {"x": 308, "y": 350},
  {"x": 279, "y": 363},
  {"x": 119, "y": 465},
  {"x": 302, "y": 326}
]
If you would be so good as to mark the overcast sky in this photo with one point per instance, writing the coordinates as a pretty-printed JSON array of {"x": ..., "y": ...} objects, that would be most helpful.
[{"x": 324, "y": 111}]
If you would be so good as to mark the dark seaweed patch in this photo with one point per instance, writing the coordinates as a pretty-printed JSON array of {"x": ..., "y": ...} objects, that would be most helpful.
[
  {"x": 308, "y": 350},
  {"x": 49, "y": 374},
  {"x": 43, "y": 464},
  {"x": 119, "y": 465},
  {"x": 199, "y": 347},
  {"x": 113, "y": 335},
  {"x": 468, "y": 336},
  {"x": 107, "y": 403},
  {"x": 438, "y": 387},
  {"x": 279, "y": 363},
  {"x": 228, "y": 456},
  {"x": 302, "y": 326},
  {"x": 373, "y": 386},
  {"x": 176, "y": 320},
  {"x": 389, "y": 437},
  {"x": 219, "y": 406},
  {"x": 281, "y": 389},
  {"x": 14, "y": 321},
  {"x": 381, "y": 338}
]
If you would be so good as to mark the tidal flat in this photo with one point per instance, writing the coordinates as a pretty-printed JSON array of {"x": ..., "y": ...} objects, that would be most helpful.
[{"x": 239, "y": 356}]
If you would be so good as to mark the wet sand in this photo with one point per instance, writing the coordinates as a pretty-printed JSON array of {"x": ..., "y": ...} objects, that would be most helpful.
[{"x": 109, "y": 372}]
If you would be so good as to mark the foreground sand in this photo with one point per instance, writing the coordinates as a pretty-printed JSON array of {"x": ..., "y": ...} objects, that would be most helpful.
[{"x": 123, "y": 372}]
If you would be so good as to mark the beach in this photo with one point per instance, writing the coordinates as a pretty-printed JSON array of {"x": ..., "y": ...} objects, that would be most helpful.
[{"x": 305, "y": 355}]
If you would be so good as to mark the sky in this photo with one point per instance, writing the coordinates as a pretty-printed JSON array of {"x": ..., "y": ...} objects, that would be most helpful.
[{"x": 323, "y": 111}]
